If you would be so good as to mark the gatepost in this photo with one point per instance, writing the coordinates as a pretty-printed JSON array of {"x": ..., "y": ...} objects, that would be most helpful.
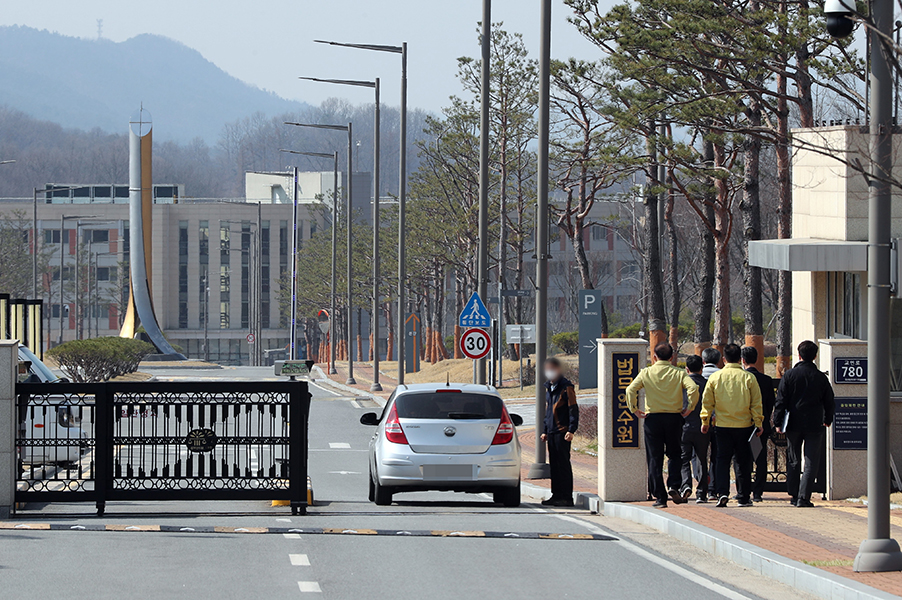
[
  {"x": 622, "y": 472},
  {"x": 845, "y": 362},
  {"x": 9, "y": 361}
]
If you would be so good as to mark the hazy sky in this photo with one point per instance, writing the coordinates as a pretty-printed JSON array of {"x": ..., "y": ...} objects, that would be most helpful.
[{"x": 268, "y": 43}]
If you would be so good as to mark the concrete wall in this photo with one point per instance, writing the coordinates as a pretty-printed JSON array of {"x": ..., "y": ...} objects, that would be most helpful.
[{"x": 9, "y": 360}]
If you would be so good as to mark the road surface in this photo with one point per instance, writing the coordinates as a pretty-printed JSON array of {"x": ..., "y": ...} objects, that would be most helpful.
[{"x": 77, "y": 563}]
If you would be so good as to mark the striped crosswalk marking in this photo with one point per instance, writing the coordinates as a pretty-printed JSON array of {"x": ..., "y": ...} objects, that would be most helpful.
[
  {"x": 299, "y": 560},
  {"x": 309, "y": 586}
]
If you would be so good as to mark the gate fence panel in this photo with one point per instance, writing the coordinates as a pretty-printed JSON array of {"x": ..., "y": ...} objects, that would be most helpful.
[{"x": 163, "y": 441}]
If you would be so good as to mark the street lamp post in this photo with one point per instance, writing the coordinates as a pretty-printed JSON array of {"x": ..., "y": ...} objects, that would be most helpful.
[
  {"x": 349, "y": 223},
  {"x": 332, "y": 295},
  {"x": 63, "y": 219},
  {"x": 540, "y": 469},
  {"x": 374, "y": 325},
  {"x": 482, "y": 258},
  {"x": 402, "y": 195}
]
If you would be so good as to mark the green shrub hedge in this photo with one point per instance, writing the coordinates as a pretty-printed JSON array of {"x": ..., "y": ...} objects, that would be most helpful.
[{"x": 99, "y": 359}]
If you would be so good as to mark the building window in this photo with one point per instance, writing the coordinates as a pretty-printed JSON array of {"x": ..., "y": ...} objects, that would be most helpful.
[
  {"x": 225, "y": 284},
  {"x": 103, "y": 273},
  {"x": 52, "y": 236},
  {"x": 97, "y": 236},
  {"x": 844, "y": 305},
  {"x": 599, "y": 232},
  {"x": 203, "y": 242},
  {"x": 284, "y": 242},
  {"x": 245, "y": 273}
]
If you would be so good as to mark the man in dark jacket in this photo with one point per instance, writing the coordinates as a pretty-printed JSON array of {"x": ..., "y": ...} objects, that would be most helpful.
[
  {"x": 768, "y": 398},
  {"x": 803, "y": 410},
  {"x": 694, "y": 442},
  {"x": 561, "y": 422}
]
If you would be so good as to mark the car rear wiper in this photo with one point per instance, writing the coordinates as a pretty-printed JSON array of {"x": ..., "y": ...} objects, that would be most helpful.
[{"x": 465, "y": 415}]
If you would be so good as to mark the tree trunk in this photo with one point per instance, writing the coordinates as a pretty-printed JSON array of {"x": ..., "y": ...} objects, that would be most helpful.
[
  {"x": 677, "y": 301},
  {"x": 722, "y": 309},
  {"x": 657, "y": 325},
  {"x": 702, "y": 337},
  {"x": 784, "y": 221},
  {"x": 750, "y": 207}
]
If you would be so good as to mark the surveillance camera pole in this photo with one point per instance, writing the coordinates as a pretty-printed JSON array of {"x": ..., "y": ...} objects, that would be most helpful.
[{"x": 879, "y": 552}]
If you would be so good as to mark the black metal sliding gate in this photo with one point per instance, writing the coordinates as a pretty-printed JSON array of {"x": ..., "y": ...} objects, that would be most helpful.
[{"x": 163, "y": 441}]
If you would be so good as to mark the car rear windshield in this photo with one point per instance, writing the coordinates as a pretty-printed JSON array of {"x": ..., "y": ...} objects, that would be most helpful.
[{"x": 448, "y": 405}]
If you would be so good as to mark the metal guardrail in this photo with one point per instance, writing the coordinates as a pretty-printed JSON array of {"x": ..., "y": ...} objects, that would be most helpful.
[{"x": 163, "y": 441}]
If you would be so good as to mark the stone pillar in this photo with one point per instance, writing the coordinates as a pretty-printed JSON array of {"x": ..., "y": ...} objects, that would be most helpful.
[
  {"x": 847, "y": 467},
  {"x": 9, "y": 362},
  {"x": 622, "y": 472}
]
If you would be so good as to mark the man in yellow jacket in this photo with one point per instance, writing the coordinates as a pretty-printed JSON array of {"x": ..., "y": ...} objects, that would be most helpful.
[
  {"x": 733, "y": 395},
  {"x": 663, "y": 427}
]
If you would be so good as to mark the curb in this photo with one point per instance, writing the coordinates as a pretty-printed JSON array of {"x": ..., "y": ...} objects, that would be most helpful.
[
  {"x": 581, "y": 500},
  {"x": 785, "y": 570},
  {"x": 323, "y": 379}
]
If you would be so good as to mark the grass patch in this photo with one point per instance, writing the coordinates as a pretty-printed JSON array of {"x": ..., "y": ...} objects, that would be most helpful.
[{"x": 829, "y": 563}]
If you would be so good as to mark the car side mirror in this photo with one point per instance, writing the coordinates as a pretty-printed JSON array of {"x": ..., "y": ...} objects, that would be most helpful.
[
  {"x": 369, "y": 419},
  {"x": 516, "y": 419}
]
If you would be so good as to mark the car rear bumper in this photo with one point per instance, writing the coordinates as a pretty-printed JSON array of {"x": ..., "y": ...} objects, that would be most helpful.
[{"x": 499, "y": 467}]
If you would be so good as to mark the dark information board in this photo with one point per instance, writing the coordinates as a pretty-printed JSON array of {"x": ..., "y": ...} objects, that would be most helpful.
[
  {"x": 850, "y": 370},
  {"x": 850, "y": 425},
  {"x": 625, "y": 424}
]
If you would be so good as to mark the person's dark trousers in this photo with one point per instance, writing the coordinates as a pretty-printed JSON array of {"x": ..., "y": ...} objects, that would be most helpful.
[
  {"x": 809, "y": 443},
  {"x": 662, "y": 438},
  {"x": 734, "y": 442},
  {"x": 760, "y": 471},
  {"x": 712, "y": 469},
  {"x": 561, "y": 470},
  {"x": 695, "y": 442}
]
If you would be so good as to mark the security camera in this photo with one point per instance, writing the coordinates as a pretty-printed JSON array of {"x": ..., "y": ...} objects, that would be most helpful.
[{"x": 839, "y": 13}]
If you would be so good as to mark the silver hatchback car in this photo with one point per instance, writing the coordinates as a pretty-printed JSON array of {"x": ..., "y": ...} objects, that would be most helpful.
[{"x": 451, "y": 437}]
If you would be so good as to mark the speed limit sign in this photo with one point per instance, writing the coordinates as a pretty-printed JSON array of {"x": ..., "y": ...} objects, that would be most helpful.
[{"x": 475, "y": 343}]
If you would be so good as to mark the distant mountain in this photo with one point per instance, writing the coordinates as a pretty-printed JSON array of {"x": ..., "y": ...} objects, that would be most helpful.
[{"x": 91, "y": 84}]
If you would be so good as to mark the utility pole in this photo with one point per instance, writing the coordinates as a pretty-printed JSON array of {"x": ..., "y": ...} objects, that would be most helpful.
[
  {"x": 540, "y": 469},
  {"x": 374, "y": 326},
  {"x": 293, "y": 347},
  {"x": 482, "y": 258},
  {"x": 879, "y": 552},
  {"x": 332, "y": 315}
]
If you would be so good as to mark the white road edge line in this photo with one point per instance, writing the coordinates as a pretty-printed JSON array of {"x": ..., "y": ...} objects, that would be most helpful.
[
  {"x": 661, "y": 562},
  {"x": 299, "y": 560},
  {"x": 309, "y": 586},
  {"x": 292, "y": 536},
  {"x": 328, "y": 391}
]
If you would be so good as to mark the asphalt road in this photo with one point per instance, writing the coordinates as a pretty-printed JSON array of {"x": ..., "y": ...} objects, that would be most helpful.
[{"x": 76, "y": 563}]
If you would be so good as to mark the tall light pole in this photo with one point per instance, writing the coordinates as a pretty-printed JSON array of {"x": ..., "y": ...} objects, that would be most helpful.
[
  {"x": 880, "y": 552},
  {"x": 349, "y": 223},
  {"x": 402, "y": 196},
  {"x": 482, "y": 257},
  {"x": 334, "y": 157},
  {"x": 540, "y": 469},
  {"x": 34, "y": 230},
  {"x": 374, "y": 325},
  {"x": 63, "y": 219}
]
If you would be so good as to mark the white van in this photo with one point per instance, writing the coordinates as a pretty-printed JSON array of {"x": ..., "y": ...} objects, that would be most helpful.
[{"x": 57, "y": 423}]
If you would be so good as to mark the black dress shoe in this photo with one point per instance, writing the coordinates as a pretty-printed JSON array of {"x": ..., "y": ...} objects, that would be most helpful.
[
  {"x": 757, "y": 499},
  {"x": 548, "y": 501},
  {"x": 794, "y": 501},
  {"x": 802, "y": 503},
  {"x": 677, "y": 497},
  {"x": 660, "y": 504}
]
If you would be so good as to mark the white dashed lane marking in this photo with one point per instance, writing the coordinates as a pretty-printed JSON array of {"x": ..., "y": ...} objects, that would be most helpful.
[
  {"x": 299, "y": 560},
  {"x": 292, "y": 536},
  {"x": 339, "y": 445},
  {"x": 309, "y": 586}
]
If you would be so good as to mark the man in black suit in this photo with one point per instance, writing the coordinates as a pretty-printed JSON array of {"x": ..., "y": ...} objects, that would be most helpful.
[
  {"x": 807, "y": 396},
  {"x": 768, "y": 398}
]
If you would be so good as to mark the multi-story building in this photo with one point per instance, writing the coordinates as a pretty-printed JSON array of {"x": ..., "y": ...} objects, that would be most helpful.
[{"x": 203, "y": 282}]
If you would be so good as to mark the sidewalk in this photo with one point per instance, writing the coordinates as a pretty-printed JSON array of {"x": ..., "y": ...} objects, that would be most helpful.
[{"x": 826, "y": 537}]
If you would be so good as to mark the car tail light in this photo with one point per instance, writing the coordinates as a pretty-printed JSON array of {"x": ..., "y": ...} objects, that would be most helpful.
[
  {"x": 505, "y": 432},
  {"x": 393, "y": 431}
]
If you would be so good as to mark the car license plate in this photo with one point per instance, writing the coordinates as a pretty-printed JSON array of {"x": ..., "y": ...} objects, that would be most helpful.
[{"x": 447, "y": 471}]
